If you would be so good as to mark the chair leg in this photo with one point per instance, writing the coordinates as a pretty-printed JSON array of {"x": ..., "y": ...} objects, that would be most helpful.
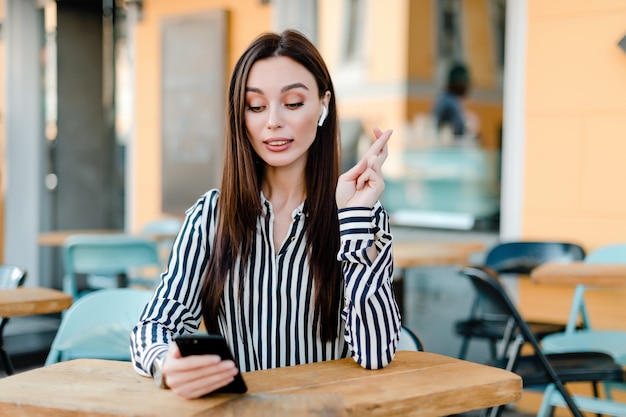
[
  {"x": 464, "y": 347},
  {"x": 546, "y": 408},
  {"x": 508, "y": 351},
  {"x": 122, "y": 280},
  {"x": 578, "y": 308},
  {"x": 506, "y": 340},
  {"x": 493, "y": 348},
  {"x": 608, "y": 394},
  {"x": 8, "y": 365},
  {"x": 69, "y": 285},
  {"x": 492, "y": 412},
  {"x": 6, "y": 359},
  {"x": 596, "y": 393},
  {"x": 466, "y": 339},
  {"x": 567, "y": 397}
]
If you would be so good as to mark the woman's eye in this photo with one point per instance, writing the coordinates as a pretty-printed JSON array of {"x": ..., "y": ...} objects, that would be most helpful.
[
  {"x": 293, "y": 105},
  {"x": 255, "y": 109}
]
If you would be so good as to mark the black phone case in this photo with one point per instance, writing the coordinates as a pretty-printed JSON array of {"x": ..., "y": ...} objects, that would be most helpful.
[{"x": 202, "y": 344}]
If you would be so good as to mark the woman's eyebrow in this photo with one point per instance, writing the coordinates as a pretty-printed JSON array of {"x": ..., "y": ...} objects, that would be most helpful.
[
  {"x": 282, "y": 90},
  {"x": 292, "y": 86}
]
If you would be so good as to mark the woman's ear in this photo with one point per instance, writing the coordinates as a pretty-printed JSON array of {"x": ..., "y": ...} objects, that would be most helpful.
[{"x": 326, "y": 99}]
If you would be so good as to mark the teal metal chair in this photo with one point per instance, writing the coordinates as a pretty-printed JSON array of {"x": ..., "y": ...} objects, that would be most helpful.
[
  {"x": 585, "y": 338},
  {"x": 98, "y": 325},
  {"x": 116, "y": 260},
  {"x": 614, "y": 254},
  {"x": 516, "y": 258},
  {"x": 538, "y": 368},
  {"x": 11, "y": 277}
]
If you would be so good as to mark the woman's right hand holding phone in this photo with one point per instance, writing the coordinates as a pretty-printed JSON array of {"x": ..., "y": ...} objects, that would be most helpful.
[{"x": 196, "y": 375}]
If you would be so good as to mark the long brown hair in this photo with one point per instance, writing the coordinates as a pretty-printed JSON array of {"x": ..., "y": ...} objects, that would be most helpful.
[{"x": 240, "y": 201}]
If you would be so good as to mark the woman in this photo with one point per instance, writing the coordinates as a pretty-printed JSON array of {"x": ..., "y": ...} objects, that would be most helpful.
[{"x": 290, "y": 262}]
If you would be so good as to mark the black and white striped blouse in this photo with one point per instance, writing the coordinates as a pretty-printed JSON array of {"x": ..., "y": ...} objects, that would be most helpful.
[{"x": 275, "y": 326}]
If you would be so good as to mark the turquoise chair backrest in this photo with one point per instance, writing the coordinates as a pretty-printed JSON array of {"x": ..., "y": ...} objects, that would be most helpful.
[
  {"x": 11, "y": 277},
  {"x": 521, "y": 257},
  {"x": 608, "y": 254},
  {"x": 108, "y": 255},
  {"x": 614, "y": 253},
  {"x": 98, "y": 325}
]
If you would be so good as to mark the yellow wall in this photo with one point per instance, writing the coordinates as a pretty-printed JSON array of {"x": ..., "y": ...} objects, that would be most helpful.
[
  {"x": 575, "y": 121},
  {"x": 575, "y": 142},
  {"x": 247, "y": 18},
  {"x": 421, "y": 51},
  {"x": 387, "y": 58},
  {"x": 575, "y": 130},
  {"x": 2, "y": 139}
]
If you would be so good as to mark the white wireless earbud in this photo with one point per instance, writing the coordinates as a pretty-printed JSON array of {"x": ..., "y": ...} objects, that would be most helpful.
[{"x": 323, "y": 116}]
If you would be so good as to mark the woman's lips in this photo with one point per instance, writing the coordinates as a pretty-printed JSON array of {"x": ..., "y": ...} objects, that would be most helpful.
[
  {"x": 277, "y": 145},
  {"x": 277, "y": 142}
]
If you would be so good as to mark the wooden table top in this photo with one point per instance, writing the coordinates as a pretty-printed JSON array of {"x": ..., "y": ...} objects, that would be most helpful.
[
  {"x": 411, "y": 254},
  {"x": 414, "y": 384},
  {"x": 574, "y": 273},
  {"x": 57, "y": 237},
  {"x": 25, "y": 301}
]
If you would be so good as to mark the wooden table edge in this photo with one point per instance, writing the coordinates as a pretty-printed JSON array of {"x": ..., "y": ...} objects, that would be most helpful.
[
  {"x": 37, "y": 300},
  {"x": 575, "y": 273}
]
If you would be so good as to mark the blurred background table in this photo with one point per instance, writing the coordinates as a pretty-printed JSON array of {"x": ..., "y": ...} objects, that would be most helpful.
[
  {"x": 581, "y": 277},
  {"x": 574, "y": 273},
  {"x": 57, "y": 237},
  {"x": 24, "y": 301},
  {"x": 411, "y": 254},
  {"x": 415, "y": 254}
]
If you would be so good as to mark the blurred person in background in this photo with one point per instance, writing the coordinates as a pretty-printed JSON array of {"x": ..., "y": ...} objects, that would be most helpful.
[{"x": 450, "y": 111}]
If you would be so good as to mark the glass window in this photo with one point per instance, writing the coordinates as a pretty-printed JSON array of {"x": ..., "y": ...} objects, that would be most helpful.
[
  {"x": 353, "y": 44},
  {"x": 499, "y": 24},
  {"x": 449, "y": 30}
]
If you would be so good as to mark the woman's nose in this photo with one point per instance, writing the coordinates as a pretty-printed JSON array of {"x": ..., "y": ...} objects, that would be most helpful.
[{"x": 274, "y": 118}]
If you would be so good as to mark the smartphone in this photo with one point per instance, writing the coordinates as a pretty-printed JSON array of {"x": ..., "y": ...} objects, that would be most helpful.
[{"x": 214, "y": 344}]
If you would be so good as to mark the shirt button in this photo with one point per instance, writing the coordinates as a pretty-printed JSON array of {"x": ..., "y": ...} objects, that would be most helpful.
[{"x": 293, "y": 238}]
